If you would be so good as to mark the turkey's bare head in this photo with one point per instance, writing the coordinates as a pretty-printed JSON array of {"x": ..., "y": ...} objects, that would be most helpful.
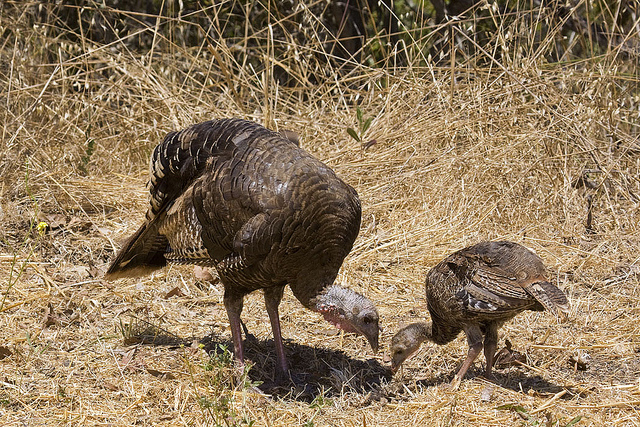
[{"x": 349, "y": 311}]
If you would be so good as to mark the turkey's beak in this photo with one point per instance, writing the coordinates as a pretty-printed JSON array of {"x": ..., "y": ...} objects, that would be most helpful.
[
  {"x": 373, "y": 341},
  {"x": 394, "y": 368}
]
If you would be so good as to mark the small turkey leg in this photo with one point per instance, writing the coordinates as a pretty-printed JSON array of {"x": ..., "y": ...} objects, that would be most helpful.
[
  {"x": 474, "y": 338},
  {"x": 490, "y": 346},
  {"x": 272, "y": 298},
  {"x": 233, "y": 304}
]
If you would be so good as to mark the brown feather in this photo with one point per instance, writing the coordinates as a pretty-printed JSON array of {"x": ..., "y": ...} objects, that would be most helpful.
[{"x": 141, "y": 254}]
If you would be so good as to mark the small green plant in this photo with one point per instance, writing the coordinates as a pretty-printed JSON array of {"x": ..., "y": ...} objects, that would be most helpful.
[
  {"x": 84, "y": 160},
  {"x": 18, "y": 266},
  {"x": 220, "y": 358},
  {"x": 91, "y": 147},
  {"x": 529, "y": 418},
  {"x": 574, "y": 421},
  {"x": 222, "y": 385},
  {"x": 319, "y": 402},
  {"x": 518, "y": 409},
  {"x": 363, "y": 126},
  {"x": 15, "y": 272},
  {"x": 62, "y": 393}
]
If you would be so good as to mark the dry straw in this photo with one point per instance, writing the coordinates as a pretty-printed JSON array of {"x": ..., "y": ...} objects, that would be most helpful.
[{"x": 495, "y": 144}]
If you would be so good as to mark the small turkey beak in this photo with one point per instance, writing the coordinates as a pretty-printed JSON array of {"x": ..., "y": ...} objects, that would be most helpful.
[{"x": 373, "y": 341}]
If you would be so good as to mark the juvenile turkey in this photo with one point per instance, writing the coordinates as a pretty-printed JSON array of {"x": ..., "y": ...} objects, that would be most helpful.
[
  {"x": 247, "y": 201},
  {"x": 476, "y": 290}
]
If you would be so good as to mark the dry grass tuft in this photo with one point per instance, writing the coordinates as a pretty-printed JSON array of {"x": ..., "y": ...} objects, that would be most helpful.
[{"x": 504, "y": 146}]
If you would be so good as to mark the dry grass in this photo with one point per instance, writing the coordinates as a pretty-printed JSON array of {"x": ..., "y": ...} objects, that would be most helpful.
[{"x": 512, "y": 150}]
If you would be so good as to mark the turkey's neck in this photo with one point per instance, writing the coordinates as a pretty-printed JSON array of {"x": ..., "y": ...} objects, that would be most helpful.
[
  {"x": 433, "y": 332},
  {"x": 441, "y": 333},
  {"x": 422, "y": 331}
]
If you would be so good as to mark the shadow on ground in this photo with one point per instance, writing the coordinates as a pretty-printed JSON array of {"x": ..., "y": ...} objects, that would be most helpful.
[
  {"x": 524, "y": 382},
  {"x": 314, "y": 371},
  {"x": 318, "y": 371},
  {"x": 411, "y": 382}
]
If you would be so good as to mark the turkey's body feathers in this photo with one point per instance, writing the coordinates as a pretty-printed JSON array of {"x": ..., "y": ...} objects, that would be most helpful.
[
  {"x": 234, "y": 195},
  {"x": 476, "y": 290},
  {"x": 250, "y": 202},
  {"x": 490, "y": 282}
]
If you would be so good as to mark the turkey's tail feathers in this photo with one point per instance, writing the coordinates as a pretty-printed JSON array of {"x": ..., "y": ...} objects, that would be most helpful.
[
  {"x": 141, "y": 254},
  {"x": 550, "y": 296}
]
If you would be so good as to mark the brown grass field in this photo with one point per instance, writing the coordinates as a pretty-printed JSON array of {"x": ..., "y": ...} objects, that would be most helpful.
[{"x": 544, "y": 154}]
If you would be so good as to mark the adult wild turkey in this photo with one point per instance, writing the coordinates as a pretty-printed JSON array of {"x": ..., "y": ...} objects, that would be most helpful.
[
  {"x": 476, "y": 290},
  {"x": 264, "y": 213}
]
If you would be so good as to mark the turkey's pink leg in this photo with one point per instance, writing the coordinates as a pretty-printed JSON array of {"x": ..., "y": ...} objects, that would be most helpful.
[
  {"x": 490, "y": 346},
  {"x": 272, "y": 298},
  {"x": 474, "y": 338},
  {"x": 233, "y": 304}
]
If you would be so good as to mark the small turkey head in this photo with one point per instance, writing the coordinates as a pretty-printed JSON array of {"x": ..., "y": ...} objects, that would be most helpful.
[
  {"x": 407, "y": 341},
  {"x": 349, "y": 311}
]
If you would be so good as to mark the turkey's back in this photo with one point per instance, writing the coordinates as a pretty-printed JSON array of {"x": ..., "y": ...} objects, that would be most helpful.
[
  {"x": 487, "y": 282},
  {"x": 234, "y": 195}
]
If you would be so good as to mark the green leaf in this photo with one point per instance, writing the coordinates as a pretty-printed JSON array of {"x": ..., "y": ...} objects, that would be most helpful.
[
  {"x": 366, "y": 124},
  {"x": 574, "y": 421},
  {"x": 359, "y": 114},
  {"x": 514, "y": 407},
  {"x": 353, "y": 134}
]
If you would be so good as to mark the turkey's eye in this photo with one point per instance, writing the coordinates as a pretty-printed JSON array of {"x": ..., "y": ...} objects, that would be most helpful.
[
  {"x": 367, "y": 320},
  {"x": 398, "y": 352}
]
